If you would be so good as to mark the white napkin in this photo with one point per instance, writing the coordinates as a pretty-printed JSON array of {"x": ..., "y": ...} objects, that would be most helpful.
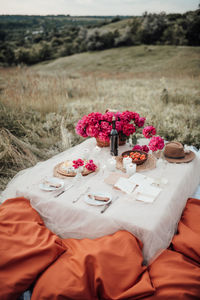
[
  {"x": 140, "y": 179},
  {"x": 147, "y": 193},
  {"x": 125, "y": 185}
]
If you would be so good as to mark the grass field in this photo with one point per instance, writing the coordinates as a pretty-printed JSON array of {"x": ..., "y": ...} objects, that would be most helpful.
[{"x": 40, "y": 105}]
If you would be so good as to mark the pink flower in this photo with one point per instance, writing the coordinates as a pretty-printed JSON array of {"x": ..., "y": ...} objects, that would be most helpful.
[
  {"x": 91, "y": 166},
  {"x": 137, "y": 148},
  {"x": 149, "y": 131},
  {"x": 103, "y": 137},
  {"x": 78, "y": 163},
  {"x": 156, "y": 143},
  {"x": 92, "y": 130},
  {"x": 141, "y": 148},
  {"x": 99, "y": 125},
  {"x": 128, "y": 129},
  {"x": 140, "y": 122},
  {"x": 80, "y": 129},
  {"x": 145, "y": 148},
  {"x": 119, "y": 125}
]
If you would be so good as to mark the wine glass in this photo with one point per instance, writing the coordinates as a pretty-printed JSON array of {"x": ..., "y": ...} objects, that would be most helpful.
[
  {"x": 111, "y": 164},
  {"x": 85, "y": 153},
  {"x": 79, "y": 175}
]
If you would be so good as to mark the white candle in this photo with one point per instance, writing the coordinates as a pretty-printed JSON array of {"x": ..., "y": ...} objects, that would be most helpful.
[
  {"x": 126, "y": 161},
  {"x": 130, "y": 169}
]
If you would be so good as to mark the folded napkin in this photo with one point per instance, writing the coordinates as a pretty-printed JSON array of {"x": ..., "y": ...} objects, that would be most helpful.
[
  {"x": 99, "y": 198},
  {"x": 51, "y": 184},
  {"x": 125, "y": 185},
  {"x": 140, "y": 179},
  {"x": 147, "y": 193}
]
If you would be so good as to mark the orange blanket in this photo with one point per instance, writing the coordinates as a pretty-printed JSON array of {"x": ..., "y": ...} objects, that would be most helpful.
[
  {"x": 27, "y": 247},
  {"x": 110, "y": 267}
]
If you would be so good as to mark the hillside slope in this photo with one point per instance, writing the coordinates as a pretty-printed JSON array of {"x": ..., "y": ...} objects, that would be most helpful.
[{"x": 139, "y": 60}]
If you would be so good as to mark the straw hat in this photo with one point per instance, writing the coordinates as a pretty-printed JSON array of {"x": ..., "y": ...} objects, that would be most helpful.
[{"x": 174, "y": 153}]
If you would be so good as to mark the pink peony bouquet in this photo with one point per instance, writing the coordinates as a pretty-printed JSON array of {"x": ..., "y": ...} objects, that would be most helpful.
[{"x": 99, "y": 125}]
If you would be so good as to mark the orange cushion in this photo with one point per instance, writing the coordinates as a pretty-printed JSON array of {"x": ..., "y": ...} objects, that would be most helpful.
[
  {"x": 27, "y": 247},
  {"x": 105, "y": 268},
  {"x": 187, "y": 240},
  {"x": 175, "y": 277},
  {"x": 191, "y": 215}
]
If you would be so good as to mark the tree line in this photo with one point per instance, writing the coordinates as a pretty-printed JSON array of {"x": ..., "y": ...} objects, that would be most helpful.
[{"x": 32, "y": 39}]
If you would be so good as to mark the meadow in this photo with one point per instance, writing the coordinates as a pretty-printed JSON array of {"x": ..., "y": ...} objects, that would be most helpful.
[{"x": 40, "y": 105}]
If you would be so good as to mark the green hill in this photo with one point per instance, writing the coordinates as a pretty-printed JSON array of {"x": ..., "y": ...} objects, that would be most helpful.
[{"x": 139, "y": 60}]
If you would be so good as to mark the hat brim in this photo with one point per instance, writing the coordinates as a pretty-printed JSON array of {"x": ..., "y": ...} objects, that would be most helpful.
[{"x": 188, "y": 157}]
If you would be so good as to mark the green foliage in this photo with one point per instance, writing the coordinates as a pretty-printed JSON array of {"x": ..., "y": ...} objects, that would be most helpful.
[{"x": 32, "y": 39}]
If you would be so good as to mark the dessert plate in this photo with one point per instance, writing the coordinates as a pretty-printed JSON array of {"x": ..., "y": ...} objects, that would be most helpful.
[
  {"x": 51, "y": 184},
  {"x": 91, "y": 200}
]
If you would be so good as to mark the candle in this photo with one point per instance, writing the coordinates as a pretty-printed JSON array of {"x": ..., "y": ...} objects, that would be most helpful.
[
  {"x": 126, "y": 161},
  {"x": 130, "y": 169}
]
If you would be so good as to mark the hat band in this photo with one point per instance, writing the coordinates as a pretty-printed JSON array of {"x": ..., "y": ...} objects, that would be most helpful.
[{"x": 175, "y": 157}]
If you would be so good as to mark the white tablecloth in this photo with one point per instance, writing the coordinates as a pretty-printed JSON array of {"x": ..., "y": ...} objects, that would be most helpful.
[{"x": 153, "y": 223}]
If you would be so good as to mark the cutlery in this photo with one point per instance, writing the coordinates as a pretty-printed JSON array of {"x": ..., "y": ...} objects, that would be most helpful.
[
  {"x": 107, "y": 205},
  {"x": 75, "y": 200},
  {"x": 66, "y": 189}
]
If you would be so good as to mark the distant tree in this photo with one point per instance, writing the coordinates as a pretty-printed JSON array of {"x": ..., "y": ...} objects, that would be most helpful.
[
  {"x": 45, "y": 53},
  {"x": 116, "y": 19},
  {"x": 2, "y": 35},
  {"x": 193, "y": 30},
  {"x": 9, "y": 55},
  {"x": 174, "y": 35}
]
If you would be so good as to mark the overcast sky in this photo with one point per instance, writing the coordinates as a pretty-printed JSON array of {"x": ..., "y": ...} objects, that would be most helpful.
[{"x": 95, "y": 7}]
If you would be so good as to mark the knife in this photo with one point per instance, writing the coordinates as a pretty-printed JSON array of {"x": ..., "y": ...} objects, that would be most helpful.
[
  {"x": 105, "y": 207},
  {"x": 67, "y": 188}
]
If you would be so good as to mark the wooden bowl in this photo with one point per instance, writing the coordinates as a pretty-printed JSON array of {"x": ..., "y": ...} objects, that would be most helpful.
[{"x": 138, "y": 162}]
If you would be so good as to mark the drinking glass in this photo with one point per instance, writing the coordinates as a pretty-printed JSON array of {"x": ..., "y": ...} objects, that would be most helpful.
[
  {"x": 86, "y": 153},
  {"x": 111, "y": 164},
  {"x": 96, "y": 152},
  {"x": 79, "y": 175}
]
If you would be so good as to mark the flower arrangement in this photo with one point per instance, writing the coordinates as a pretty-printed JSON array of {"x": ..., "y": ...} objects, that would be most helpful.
[
  {"x": 99, "y": 125},
  {"x": 90, "y": 166}
]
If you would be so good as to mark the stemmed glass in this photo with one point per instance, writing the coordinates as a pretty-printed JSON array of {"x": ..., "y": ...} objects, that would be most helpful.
[
  {"x": 161, "y": 164},
  {"x": 79, "y": 175},
  {"x": 96, "y": 152}
]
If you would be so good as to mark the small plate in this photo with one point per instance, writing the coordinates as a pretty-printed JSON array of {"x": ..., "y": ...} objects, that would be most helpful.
[
  {"x": 45, "y": 185},
  {"x": 96, "y": 202}
]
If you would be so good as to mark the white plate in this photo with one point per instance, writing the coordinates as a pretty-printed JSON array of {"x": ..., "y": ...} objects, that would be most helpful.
[
  {"x": 46, "y": 187},
  {"x": 96, "y": 202}
]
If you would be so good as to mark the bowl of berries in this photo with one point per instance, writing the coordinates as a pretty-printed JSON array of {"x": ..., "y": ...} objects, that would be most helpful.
[{"x": 138, "y": 157}]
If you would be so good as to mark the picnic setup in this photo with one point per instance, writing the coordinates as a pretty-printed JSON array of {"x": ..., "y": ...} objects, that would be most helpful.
[{"x": 108, "y": 218}]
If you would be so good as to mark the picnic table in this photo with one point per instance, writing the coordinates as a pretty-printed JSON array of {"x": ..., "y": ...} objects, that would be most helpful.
[{"x": 153, "y": 223}]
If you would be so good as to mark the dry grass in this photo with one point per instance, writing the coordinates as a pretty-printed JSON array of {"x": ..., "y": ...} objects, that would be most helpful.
[{"x": 39, "y": 107}]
